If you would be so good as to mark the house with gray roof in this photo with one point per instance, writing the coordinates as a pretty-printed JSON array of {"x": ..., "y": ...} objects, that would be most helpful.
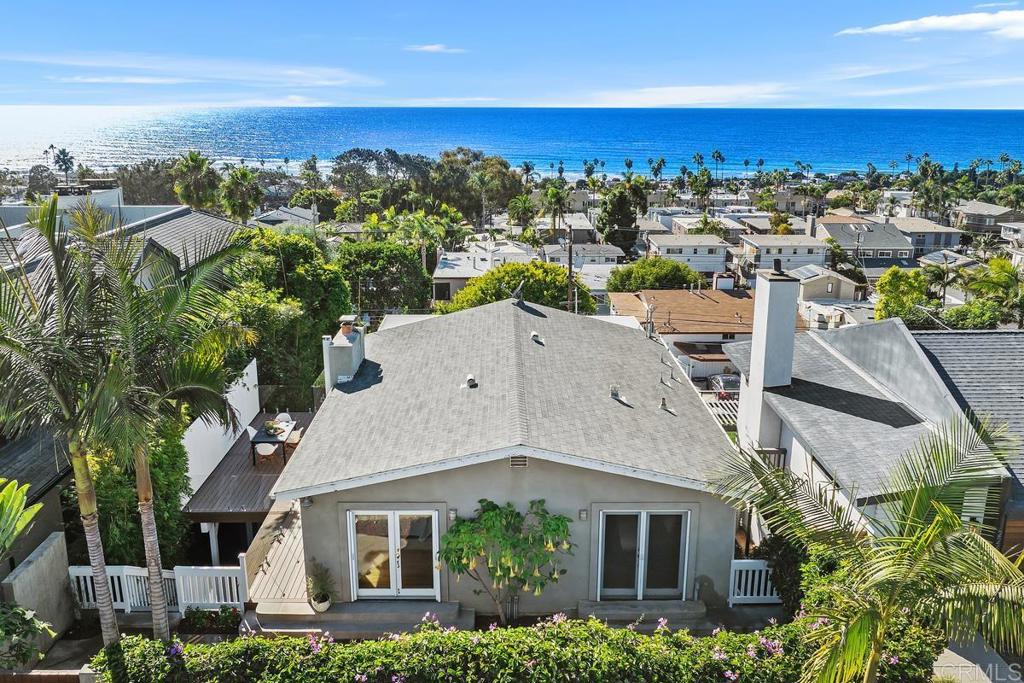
[
  {"x": 291, "y": 215},
  {"x": 582, "y": 253},
  {"x": 841, "y": 406},
  {"x": 424, "y": 419},
  {"x": 978, "y": 216}
]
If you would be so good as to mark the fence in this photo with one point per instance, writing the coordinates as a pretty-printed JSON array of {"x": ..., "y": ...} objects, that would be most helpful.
[
  {"x": 750, "y": 583},
  {"x": 200, "y": 587}
]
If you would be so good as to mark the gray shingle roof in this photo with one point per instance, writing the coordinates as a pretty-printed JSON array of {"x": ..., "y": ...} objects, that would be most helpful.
[
  {"x": 977, "y": 208},
  {"x": 866, "y": 235},
  {"x": 850, "y": 425},
  {"x": 985, "y": 372},
  {"x": 407, "y": 411}
]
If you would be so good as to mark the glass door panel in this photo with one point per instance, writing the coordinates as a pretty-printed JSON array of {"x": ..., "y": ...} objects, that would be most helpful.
[
  {"x": 416, "y": 553},
  {"x": 620, "y": 554},
  {"x": 374, "y": 558},
  {"x": 665, "y": 542}
]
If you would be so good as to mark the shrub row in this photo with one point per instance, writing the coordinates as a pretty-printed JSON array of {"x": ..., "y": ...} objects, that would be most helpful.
[{"x": 556, "y": 650}]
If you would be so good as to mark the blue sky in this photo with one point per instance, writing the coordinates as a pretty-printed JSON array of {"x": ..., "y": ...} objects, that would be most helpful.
[{"x": 445, "y": 53}]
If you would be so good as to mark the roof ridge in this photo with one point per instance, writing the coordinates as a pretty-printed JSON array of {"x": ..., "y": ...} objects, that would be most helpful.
[{"x": 520, "y": 423}]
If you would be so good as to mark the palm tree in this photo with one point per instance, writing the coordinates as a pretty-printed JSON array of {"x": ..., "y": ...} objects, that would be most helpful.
[
  {"x": 942, "y": 276},
  {"x": 1004, "y": 284},
  {"x": 718, "y": 158},
  {"x": 698, "y": 159},
  {"x": 418, "y": 229},
  {"x": 556, "y": 203},
  {"x": 483, "y": 183},
  {"x": 168, "y": 346},
  {"x": 64, "y": 162},
  {"x": 241, "y": 194},
  {"x": 195, "y": 180},
  {"x": 916, "y": 555},
  {"x": 985, "y": 244},
  {"x": 746, "y": 166},
  {"x": 908, "y": 157},
  {"x": 528, "y": 174},
  {"x": 53, "y": 357},
  {"x": 521, "y": 210}
]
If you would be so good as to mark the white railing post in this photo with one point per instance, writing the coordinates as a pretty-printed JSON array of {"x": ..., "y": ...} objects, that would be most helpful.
[
  {"x": 750, "y": 583},
  {"x": 243, "y": 581}
]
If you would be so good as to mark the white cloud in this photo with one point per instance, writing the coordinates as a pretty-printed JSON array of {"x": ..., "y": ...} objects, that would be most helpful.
[
  {"x": 997, "y": 82},
  {"x": 202, "y": 69},
  {"x": 993, "y": 5},
  {"x": 436, "y": 48},
  {"x": 1004, "y": 24},
  {"x": 127, "y": 80},
  {"x": 741, "y": 94},
  {"x": 437, "y": 101}
]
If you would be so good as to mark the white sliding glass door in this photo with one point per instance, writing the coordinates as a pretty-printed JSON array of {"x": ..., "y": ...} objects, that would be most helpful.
[
  {"x": 643, "y": 554},
  {"x": 393, "y": 554}
]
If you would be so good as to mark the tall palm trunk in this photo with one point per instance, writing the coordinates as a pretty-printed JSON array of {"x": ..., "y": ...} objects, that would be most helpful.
[
  {"x": 90, "y": 523},
  {"x": 154, "y": 566}
]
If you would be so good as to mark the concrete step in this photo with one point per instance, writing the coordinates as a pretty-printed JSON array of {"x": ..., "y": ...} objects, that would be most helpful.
[
  {"x": 679, "y": 613},
  {"x": 354, "y": 621}
]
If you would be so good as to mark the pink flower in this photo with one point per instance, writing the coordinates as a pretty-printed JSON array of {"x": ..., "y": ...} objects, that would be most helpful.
[
  {"x": 662, "y": 623},
  {"x": 716, "y": 631},
  {"x": 719, "y": 655},
  {"x": 731, "y": 676},
  {"x": 559, "y": 618},
  {"x": 493, "y": 626},
  {"x": 361, "y": 678},
  {"x": 773, "y": 621}
]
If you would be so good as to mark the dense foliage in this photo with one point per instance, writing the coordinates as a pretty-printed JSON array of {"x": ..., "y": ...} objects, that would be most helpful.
[
  {"x": 291, "y": 295},
  {"x": 555, "y": 651},
  {"x": 542, "y": 283},
  {"x": 653, "y": 272},
  {"x": 384, "y": 276},
  {"x": 224, "y": 620},
  {"x": 147, "y": 182},
  {"x": 19, "y": 632},
  {"x": 120, "y": 524},
  {"x": 977, "y": 314},
  {"x": 899, "y": 293}
]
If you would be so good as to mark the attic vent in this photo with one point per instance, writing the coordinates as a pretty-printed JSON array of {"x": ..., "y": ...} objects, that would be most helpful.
[
  {"x": 518, "y": 461},
  {"x": 470, "y": 382}
]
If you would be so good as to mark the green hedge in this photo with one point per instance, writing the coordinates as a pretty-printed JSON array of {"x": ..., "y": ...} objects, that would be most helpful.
[{"x": 555, "y": 650}]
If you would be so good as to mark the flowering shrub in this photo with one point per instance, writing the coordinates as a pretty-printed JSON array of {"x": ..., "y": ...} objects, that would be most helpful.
[{"x": 558, "y": 649}]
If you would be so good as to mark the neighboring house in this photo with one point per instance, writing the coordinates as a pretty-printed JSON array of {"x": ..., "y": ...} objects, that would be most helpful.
[
  {"x": 582, "y": 253},
  {"x": 427, "y": 418},
  {"x": 595, "y": 277},
  {"x": 938, "y": 258},
  {"x": 582, "y": 230},
  {"x": 681, "y": 225},
  {"x": 818, "y": 283},
  {"x": 924, "y": 235},
  {"x": 1012, "y": 232},
  {"x": 975, "y": 216},
  {"x": 665, "y": 214},
  {"x": 761, "y": 223},
  {"x": 839, "y": 406},
  {"x": 580, "y": 199},
  {"x": 292, "y": 215},
  {"x": 503, "y": 251},
  {"x": 705, "y": 254},
  {"x": 759, "y": 251},
  {"x": 455, "y": 268},
  {"x": 984, "y": 371},
  {"x": 875, "y": 246},
  {"x": 1016, "y": 257},
  {"x": 693, "y": 323}
]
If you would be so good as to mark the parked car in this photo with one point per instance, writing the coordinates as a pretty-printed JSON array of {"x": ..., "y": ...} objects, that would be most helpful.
[{"x": 726, "y": 387}]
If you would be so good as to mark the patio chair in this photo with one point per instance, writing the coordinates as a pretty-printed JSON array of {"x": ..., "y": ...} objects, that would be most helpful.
[
  {"x": 264, "y": 451},
  {"x": 283, "y": 417},
  {"x": 293, "y": 440}
]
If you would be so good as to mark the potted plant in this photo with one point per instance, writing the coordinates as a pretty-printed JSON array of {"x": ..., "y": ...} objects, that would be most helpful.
[
  {"x": 319, "y": 586},
  {"x": 272, "y": 427}
]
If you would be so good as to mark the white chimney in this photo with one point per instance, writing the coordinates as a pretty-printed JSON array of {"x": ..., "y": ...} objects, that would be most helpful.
[
  {"x": 771, "y": 355},
  {"x": 343, "y": 354}
]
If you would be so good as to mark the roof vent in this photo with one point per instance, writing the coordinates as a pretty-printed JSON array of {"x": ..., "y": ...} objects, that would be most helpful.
[
  {"x": 614, "y": 391},
  {"x": 470, "y": 382},
  {"x": 515, "y": 461},
  {"x": 535, "y": 336}
]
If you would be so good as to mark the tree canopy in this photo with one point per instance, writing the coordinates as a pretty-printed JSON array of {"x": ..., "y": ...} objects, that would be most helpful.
[
  {"x": 900, "y": 292},
  {"x": 653, "y": 272},
  {"x": 384, "y": 276},
  {"x": 543, "y": 283}
]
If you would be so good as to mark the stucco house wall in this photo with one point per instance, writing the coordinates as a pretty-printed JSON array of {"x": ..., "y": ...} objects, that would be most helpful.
[
  {"x": 817, "y": 289},
  {"x": 567, "y": 489}
]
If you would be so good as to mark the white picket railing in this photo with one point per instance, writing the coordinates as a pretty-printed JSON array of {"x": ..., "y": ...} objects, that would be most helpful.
[
  {"x": 128, "y": 588},
  {"x": 211, "y": 587},
  {"x": 200, "y": 587},
  {"x": 750, "y": 583}
]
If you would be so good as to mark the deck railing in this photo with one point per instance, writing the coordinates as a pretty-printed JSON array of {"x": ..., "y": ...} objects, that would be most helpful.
[
  {"x": 750, "y": 583},
  {"x": 199, "y": 587}
]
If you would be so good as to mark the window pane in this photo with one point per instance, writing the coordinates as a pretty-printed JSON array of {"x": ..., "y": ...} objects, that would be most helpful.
[
  {"x": 664, "y": 547},
  {"x": 373, "y": 551},
  {"x": 416, "y": 543},
  {"x": 620, "y": 547}
]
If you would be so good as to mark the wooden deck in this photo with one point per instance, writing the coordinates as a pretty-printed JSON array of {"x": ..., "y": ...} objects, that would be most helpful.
[
  {"x": 275, "y": 558},
  {"x": 236, "y": 490}
]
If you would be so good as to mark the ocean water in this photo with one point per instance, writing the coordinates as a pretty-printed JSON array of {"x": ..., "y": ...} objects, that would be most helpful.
[{"x": 831, "y": 140}]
